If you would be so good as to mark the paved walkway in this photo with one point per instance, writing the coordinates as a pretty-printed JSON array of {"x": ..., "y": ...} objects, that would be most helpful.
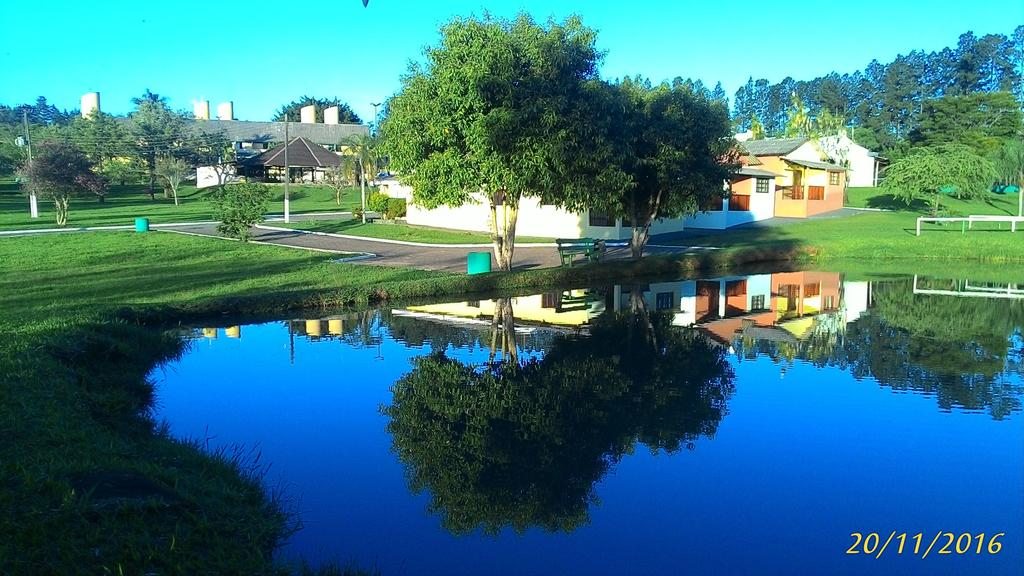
[
  {"x": 383, "y": 252},
  {"x": 391, "y": 253}
]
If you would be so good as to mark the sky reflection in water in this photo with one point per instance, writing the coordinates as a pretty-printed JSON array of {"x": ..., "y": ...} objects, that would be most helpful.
[{"x": 802, "y": 408}]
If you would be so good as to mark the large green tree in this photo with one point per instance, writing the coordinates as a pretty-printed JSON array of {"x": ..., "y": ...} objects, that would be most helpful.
[
  {"x": 982, "y": 121},
  {"x": 104, "y": 140},
  {"x": 673, "y": 146},
  {"x": 493, "y": 115},
  {"x": 290, "y": 111},
  {"x": 927, "y": 173},
  {"x": 155, "y": 130}
]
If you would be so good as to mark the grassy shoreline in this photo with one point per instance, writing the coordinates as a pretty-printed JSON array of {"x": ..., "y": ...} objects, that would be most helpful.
[{"x": 86, "y": 470}]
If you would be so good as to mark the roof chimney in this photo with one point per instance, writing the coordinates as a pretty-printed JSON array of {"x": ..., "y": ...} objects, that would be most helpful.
[
  {"x": 90, "y": 103},
  {"x": 307, "y": 115},
  {"x": 201, "y": 109},
  {"x": 331, "y": 115},
  {"x": 226, "y": 111}
]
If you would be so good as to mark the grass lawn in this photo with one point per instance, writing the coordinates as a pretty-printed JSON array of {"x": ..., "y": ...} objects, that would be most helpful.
[
  {"x": 354, "y": 227},
  {"x": 124, "y": 203},
  {"x": 877, "y": 236},
  {"x": 1004, "y": 204}
]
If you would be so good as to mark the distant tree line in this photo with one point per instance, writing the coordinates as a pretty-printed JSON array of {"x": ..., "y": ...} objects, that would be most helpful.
[{"x": 887, "y": 105}]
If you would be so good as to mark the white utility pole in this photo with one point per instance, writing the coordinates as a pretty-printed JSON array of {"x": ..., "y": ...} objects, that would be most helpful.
[
  {"x": 33, "y": 203},
  {"x": 287, "y": 172}
]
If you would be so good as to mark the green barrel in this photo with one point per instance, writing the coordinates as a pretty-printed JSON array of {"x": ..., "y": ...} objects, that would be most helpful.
[
  {"x": 478, "y": 262},
  {"x": 142, "y": 224}
]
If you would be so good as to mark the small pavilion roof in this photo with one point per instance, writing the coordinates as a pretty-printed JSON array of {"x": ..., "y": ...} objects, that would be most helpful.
[{"x": 302, "y": 153}]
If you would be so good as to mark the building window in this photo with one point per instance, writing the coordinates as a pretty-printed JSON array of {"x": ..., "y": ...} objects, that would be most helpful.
[
  {"x": 757, "y": 302},
  {"x": 811, "y": 290},
  {"x": 833, "y": 178},
  {"x": 599, "y": 219},
  {"x": 665, "y": 301},
  {"x": 473, "y": 303},
  {"x": 762, "y": 185},
  {"x": 550, "y": 300}
]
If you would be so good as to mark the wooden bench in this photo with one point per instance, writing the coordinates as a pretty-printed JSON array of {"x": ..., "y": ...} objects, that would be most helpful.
[{"x": 570, "y": 248}]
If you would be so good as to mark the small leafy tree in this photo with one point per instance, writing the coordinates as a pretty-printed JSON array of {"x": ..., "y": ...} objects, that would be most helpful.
[
  {"x": 798, "y": 122},
  {"x": 172, "y": 172},
  {"x": 339, "y": 178},
  {"x": 239, "y": 207},
  {"x": 756, "y": 129},
  {"x": 362, "y": 149},
  {"x": 60, "y": 171},
  {"x": 927, "y": 173}
]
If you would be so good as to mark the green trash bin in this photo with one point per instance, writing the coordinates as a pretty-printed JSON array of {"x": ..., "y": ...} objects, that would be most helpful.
[
  {"x": 142, "y": 224},
  {"x": 478, "y": 262}
]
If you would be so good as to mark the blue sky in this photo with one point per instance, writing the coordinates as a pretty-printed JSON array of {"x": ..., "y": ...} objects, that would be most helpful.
[{"x": 241, "y": 51}]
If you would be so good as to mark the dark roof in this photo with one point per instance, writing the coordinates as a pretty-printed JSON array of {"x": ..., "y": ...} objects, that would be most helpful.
[
  {"x": 773, "y": 146},
  {"x": 245, "y": 131},
  {"x": 301, "y": 154},
  {"x": 748, "y": 171},
  {"x": 816, "y": 165}
]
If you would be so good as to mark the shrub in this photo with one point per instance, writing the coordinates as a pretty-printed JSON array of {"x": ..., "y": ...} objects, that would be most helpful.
[
  {"x": 395, "y": 209},
  {"x": 239, "y": 207},
  {"x": 378, "y": 202}
]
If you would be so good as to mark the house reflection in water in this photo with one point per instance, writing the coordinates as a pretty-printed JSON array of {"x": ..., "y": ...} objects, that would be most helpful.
[{"x": 784, "y": 306}]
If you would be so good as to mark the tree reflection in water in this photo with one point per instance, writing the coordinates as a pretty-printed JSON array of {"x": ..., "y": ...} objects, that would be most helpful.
[
  {"x": 522, "y": 443},
  {"x": 961, "y": 350}
]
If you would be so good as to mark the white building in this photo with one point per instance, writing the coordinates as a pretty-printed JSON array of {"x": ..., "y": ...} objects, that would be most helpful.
[
  {"x": 535, "y": 219},
  {"x": 863, "y": 164}
]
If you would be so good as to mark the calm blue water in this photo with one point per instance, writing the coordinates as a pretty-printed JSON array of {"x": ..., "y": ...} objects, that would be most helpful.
[{"x": 802, "y": 408}]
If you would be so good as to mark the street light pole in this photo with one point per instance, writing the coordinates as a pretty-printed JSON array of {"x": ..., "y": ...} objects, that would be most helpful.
[
  {"x": 287, "y": 172},
  {"x": 375, "y": 106},
  {"x": 33, "y": 203}
]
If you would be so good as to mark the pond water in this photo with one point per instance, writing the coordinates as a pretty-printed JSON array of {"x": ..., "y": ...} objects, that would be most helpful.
[{"x": 734, "y": 425}]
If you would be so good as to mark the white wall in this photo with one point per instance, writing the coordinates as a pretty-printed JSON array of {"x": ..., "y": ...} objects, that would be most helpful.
[
  {"x": 862, "y": 167},
  {"x": 762, "y": 207},
  {"x": 207, "y": 176},
  {"x": 534, "y": 219},
  {"x": 859, "y": 159}
]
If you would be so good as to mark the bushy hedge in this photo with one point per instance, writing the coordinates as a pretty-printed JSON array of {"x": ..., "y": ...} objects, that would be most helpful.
[
  {"x": 378, "y": 202},
  {"x": 395, "y": 208}
]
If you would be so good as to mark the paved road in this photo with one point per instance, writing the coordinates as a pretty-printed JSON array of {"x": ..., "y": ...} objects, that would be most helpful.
[{"x": 450, "y": 259}]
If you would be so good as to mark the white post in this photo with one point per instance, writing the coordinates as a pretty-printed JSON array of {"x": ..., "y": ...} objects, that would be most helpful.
[
  {"x": 287, "y": 173},
  {"x": 33, "y": 204},
  {"x": 918, "y": 227}
]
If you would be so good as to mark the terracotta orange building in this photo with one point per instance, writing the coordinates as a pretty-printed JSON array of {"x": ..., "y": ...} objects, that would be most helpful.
[{"x": 807, "y": 184}]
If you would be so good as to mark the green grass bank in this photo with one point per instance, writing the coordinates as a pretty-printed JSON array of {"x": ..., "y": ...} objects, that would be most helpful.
[
  {"x": 90, "y": 483},
  {"x": 123, "y": 204}
]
